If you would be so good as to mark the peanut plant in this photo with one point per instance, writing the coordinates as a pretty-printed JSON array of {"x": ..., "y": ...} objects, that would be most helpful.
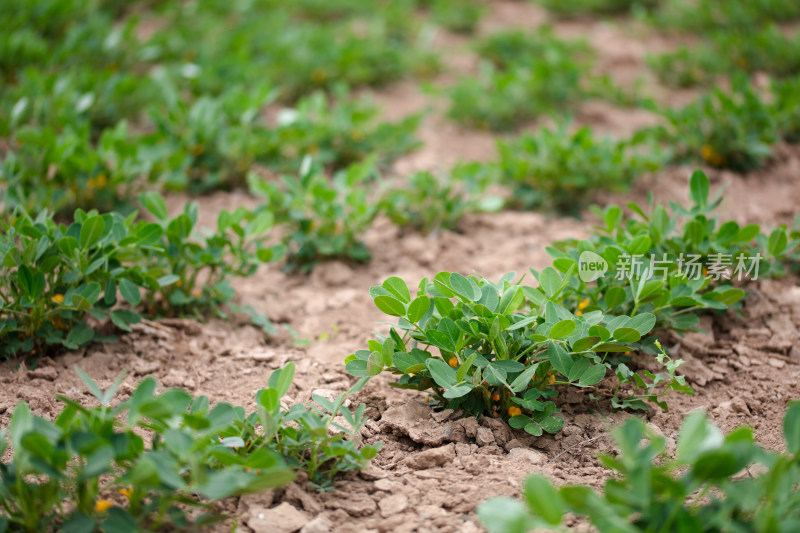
[{"x": 697, "y": 490}]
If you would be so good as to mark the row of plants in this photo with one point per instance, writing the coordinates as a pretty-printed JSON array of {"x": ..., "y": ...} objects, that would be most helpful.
[
  {"x": 731, "y": 51},
  {"x": 713, "y": 483},
  {"x": 558, "y": 169},
  {"x": 696, "y": 16},
  {"x": 100, "y": 101},
  {"x": 57, "y": 279},
  {"x": 322, "y": 217},
  {"x": 505, "y": 349},
  {"x": 211, "y": 144},
  {"x": 523, "y": 76},
  {"x": 164, "y": 460}
]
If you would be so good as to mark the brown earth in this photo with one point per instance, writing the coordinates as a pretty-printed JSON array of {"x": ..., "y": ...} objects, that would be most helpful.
[{"x": 435, "y": 468}]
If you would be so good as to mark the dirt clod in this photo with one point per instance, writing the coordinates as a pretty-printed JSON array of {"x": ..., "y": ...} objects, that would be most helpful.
[
  {"x": 284, "y": 518},
  {"x": 432, "y": 458}
]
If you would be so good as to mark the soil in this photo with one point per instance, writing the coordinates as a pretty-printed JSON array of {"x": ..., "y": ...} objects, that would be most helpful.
[{"x": 434, "y": 468}]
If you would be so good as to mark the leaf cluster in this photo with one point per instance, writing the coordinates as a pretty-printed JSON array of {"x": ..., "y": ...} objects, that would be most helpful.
[
  {"x": 734, "y": 129},
  {"x": 649, "y": 254},
  {"x": 583, "y": 8},
  {"x": 53, "y": 276},
  {"x": 496, "y": 348},
  {"x": 767, "y": 50},
  {"x": 557, "y": 170},
  {"x": 322, "y": 218},
  {"x": 706, "y": 487},
  {"x": 524, "y": 75},
  {"x": 428, "y": 202},
  {"x": 160, "y": 460}
]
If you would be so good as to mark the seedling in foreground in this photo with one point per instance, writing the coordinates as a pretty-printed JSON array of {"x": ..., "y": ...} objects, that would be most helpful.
[
  {"x": 696, "y": 491},
  {"x": 161, "y": 460}
]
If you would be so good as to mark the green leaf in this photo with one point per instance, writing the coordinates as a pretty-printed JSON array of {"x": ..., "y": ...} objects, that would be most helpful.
[
  {"x": 627, "y": 335},
  {"x": 398, "y": 288},
  {"x": 777, "y": 242},
  {"x": 600, "y": 331},
  {"x": 522, "y": 323},
  {"x": 643, "y": 323},
  {"x": 698, "y": 188},
  {"x": 791, "y": 428},
  {"x": 586, "y": 343},
  {"x": 465, "y": 366},
  {"x": 130, "y": 291},
  {"x": 748, "y": 233},
  {"x": 122, "y": 318},
  {"x": 32, "y": 281},
  {"x": 543, "y": 500},
  {"x": 375, "y": 364},
  {"x": 534, "y": 429},
  {"x": 457, "y": 392},
  {"x": 418, "y": 308},
  {"x": 697, "y": 435},
  {"x": 389, "y": 305},
  {"x": 91, "y": 230},
  {"x": 442, "y": 374},
  {"x": 154, "y": 203},
  {"x": 559, "y": 358},
  {"x": 715, "y": 464},
  {"x": 512, "y": 299},
  {"x": 592, "y": 375},
  {"x": 120, "y": 521},
  {"x": 78, "y": 336},
  {"x": 613, "y": 297},
  {"x": 552, "y": 424},
  {"x": 90, "y": 384},
  {"x": 495, "y": 375},
  {"x": 612, "y": 347},
  {"x": 505, "y": 515},
  {"x": 550, "y": 281},
  {"x": 519, "y": 421},
  {"x": 77, "y": 523},
  {"x": 522, "y": 381},
  {"x": 357, "y": 368},
  {"x": 464, "y": 287},
  {"x": 167, "y": 280},
  {"x": 562, "y": 329},
  {"x": 21, "y": 423},
  {"x": 284, "y": 379}
]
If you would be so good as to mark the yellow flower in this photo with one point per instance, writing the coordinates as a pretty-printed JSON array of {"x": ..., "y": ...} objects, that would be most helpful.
[
  {"x": 496, "y": 397},
  {"x": 708, "y": 153},
  {"x": 551, "y": 379},
  {"x": 578, "y": 313},
  {"x": 318, "y": 75},
  {"x": 103, "y": 505},
  {"x": 453, "y": 362},
  {"x": 101, "y": 181},
  {"x": 126, "y": 492},
  {"x": 514, "y": 411},
  {"x": 583, "y": 304},
  {"x": 58, "y": 298}
]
